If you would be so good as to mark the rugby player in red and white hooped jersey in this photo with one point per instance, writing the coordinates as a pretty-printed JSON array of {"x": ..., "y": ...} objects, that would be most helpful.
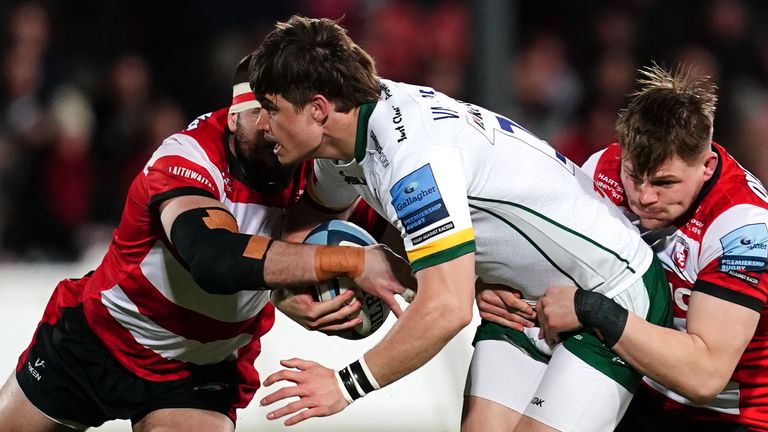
[
  {"x": 707, "y": 219},
  {"x": 166, "y": 330}
]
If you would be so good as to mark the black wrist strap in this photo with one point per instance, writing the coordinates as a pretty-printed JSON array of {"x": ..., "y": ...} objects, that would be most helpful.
[
  {"x": 356, "y": 380},
  {"x": 349, "y": 383},
  {"x": 600, "y": 314},
  {"x": 359, "y": 376}
]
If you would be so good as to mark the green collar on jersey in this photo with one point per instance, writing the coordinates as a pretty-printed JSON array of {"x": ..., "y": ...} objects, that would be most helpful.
[{"x": 361, "y": 138}]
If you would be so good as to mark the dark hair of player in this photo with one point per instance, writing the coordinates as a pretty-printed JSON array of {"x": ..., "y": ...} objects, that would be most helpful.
[
  {"x": 303, "y": 57},
  {"x": 670, "y": 115}
]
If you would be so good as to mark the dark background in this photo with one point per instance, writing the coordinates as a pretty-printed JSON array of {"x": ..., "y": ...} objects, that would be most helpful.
[{"x": 88, "y": 89}]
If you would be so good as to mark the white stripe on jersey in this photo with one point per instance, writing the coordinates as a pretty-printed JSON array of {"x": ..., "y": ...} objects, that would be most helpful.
[
  {"x": 727, "y": 402},
  {"x": 181, "y": 145},
  {"x": 176, "y": 284},
  {"x": 167, "y": 344},
  {"x": 257, "y": 218}
]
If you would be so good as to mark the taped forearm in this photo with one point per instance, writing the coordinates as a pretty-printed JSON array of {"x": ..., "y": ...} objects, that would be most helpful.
[
  {"x": 331, "y": 261},
  {"x": 292, "y": 264},
  {"x": 221, "y": 260}
]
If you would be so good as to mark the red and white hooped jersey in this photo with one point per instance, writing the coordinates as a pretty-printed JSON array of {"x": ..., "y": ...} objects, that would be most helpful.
[
  {"x": 142, "y": 302},
  {"x": 722, "y": 250}
]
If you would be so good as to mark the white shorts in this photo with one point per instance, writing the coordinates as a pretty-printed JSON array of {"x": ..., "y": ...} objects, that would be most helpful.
[{"x": 568, "y": 394}]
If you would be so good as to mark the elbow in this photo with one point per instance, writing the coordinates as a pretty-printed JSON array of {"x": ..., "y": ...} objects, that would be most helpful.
[
  {"x": 450, "y": 313},
  {"x": 703, "y": 391},
  {"x": 456, "y": 321},
  {"x": 460, "y": 320},
  {"x": 466, "y": 317},
  {"x": 701, "y": 396},
  {"x": 207, "y": 278}
]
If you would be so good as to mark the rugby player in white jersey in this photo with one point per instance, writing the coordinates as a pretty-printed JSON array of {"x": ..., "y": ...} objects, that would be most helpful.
[
  {"x": 471, "y": 193},
  {"x": 707, "y": 219},
  {"x": 165, "y": 331}
]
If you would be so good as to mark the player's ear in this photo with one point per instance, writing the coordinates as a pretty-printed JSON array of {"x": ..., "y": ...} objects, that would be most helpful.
[
  {"x": 710, "y": 164},
  {"x": 320, "y": 108},
  {"x": 232, "y": 121}
]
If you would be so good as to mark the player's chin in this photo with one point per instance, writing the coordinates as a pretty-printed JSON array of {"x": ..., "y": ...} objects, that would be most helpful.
[
  {"x": 282, "y": 155},
  {"x": 286, "y": 159},
  {"x": 653, "y": 223}
]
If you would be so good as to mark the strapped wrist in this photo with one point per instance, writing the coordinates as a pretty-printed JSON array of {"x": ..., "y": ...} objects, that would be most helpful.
[
  {"x": 343, "y": 388},
  {"x": 333, "y": 261},
  {"x": 601, "y": 315},
  {"x": 356, "y": 380}
]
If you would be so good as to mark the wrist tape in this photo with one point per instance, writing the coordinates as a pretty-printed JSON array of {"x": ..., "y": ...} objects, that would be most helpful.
[
  {"x": 600, "y": 314},
  {"x": 332, "y": 261},
  {"x": 356, "y": 380}
]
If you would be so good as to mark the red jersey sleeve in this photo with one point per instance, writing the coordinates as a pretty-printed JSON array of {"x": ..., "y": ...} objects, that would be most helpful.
[
  {"x": 180, "y": 167},
  {"x": 733, "y": 257}
]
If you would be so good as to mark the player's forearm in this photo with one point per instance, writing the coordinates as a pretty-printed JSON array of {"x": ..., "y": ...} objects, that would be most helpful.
[
  {"x": 288, "y": 264},
  {"x": 420, "y": 333},
  {"x": 441, "y": 309},
  {"x": 679, "y": 361}
]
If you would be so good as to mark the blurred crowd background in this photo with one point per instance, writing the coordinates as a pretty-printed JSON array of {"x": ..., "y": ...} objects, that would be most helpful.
[{"x": 90, "y": 88}]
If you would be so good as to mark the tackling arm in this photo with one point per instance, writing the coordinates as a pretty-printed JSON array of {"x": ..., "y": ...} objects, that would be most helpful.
[
  {"x": 206, "y": 235},
  {"x": 697, "y": 363}
]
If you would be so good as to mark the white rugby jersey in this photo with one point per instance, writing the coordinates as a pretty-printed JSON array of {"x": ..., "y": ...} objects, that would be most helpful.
[
  {"x": 143, "y": 303},
  {"x": 720, "y": 248},
  {"x": 455, "y": 178}
]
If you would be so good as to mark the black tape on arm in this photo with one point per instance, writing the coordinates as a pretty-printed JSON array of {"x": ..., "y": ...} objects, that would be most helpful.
[
  {"x": 221, "y": 260},
  {"x": 600, "y": 314}
]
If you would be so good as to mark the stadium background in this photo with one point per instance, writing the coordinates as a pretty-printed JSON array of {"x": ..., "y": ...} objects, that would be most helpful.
[{"x": 88, "y": 89}]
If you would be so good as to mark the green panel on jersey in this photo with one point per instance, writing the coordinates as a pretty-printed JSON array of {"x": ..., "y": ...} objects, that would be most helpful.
[
  {"x": 361, "y": 137},
  {"x": 655, "y": 279},
  {"x": 444, "y": 255}
]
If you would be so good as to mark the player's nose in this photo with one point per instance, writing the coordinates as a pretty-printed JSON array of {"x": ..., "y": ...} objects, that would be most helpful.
[
  {"x": 262, "y": 123},
  {"x": 648, "y": 194}
]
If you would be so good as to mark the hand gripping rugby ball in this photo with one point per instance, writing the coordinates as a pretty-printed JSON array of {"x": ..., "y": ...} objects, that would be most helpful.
[{"x": 342, "y": 233}]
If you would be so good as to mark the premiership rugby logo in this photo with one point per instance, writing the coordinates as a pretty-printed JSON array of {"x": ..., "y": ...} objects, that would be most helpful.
[
  {"x": 417, "y": 200},
  {"x": 745, "y": 249}
]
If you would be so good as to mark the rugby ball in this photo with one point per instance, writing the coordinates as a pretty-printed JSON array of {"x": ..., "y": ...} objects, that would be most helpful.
[{"x": 342, "y": 233}]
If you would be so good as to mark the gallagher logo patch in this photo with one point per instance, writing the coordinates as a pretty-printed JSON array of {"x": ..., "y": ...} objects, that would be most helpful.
[
  {"x": 417, "y": 200},
  {"x": 745, "y": 249}
]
